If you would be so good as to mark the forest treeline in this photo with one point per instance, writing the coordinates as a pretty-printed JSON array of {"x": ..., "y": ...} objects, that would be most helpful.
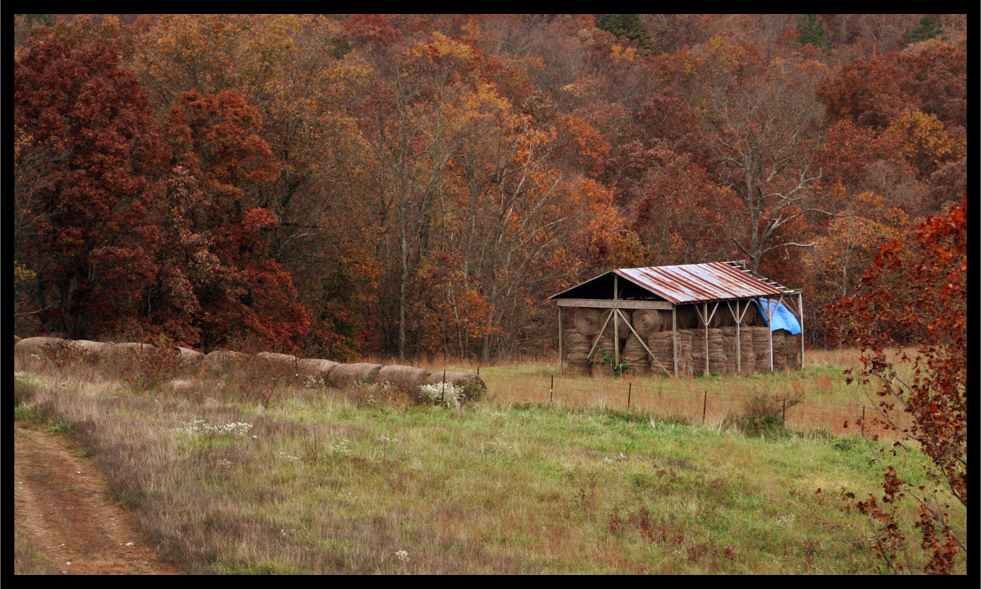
[{"x": 411, "y": 185}]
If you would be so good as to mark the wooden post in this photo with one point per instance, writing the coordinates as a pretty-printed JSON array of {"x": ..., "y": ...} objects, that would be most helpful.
[
  {"x": 674, "y": 337},
  {"x": 551, "y": 387},
  {"x": 706, "y": 307},
  {"x": 630, "y": 388},
  {"x": 705, "y": 401},
  {"x": 739, "y": 355},
  {"x": 616, "y": 327},
  {"x": 800, "y": 307},
  {"x": 560, "y": 343}
]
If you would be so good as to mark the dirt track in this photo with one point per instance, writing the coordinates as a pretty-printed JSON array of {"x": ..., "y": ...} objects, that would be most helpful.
[{"x": 63, "y": 510}]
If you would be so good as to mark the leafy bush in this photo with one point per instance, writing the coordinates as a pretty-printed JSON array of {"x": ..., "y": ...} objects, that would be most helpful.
[
  {"x": 764, "y": 413},
  {"x": 447, "y": 394}
]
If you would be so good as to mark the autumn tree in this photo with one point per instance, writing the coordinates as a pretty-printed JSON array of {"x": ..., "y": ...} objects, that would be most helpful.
[
  {"x": 218, "y": 281},
  {"x": 88, "y": 152},
  {"x": 916, "y": 295},
  {"x": 764, "y": 134}
]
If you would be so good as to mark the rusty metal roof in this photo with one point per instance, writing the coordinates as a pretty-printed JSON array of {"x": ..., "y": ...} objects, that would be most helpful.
[{"x": 695, "y": 283}]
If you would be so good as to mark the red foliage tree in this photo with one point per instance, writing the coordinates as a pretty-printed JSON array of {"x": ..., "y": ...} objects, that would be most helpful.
[
  {"x": 88, "y": 121},
  {"x": 219, "y": 283},
  {"x": 918, "y": 296}
]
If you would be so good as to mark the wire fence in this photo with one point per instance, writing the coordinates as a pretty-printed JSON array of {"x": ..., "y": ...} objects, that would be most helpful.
[{"x": 817, "y": 412}]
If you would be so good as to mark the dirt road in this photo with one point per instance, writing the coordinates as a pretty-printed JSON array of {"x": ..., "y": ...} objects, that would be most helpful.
[{"x": 63, "y": 510}]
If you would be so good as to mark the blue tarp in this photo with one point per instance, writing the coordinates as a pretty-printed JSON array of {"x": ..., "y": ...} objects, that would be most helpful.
[{"x": 782, "y": 317}]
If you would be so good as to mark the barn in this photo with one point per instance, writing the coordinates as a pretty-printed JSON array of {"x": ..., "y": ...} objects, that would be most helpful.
[{"x": 694, "y": 319}]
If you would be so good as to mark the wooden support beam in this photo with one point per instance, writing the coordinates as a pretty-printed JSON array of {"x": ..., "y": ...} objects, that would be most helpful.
[
  {"x": 643, "y": 343},
  {"x": 617, "y": 304}
]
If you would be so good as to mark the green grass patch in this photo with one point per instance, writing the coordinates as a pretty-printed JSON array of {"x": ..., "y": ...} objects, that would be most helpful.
[{"x": 313, "y": 485}]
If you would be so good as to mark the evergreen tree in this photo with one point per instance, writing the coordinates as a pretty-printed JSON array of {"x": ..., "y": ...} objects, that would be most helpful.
[
  {"x": 811, "y": 29},
  {"x": 928, "y": 29},
  {"x": 629, "y": 26}
]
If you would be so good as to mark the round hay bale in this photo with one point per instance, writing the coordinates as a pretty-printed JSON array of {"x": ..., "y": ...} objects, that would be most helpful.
[
  {"x": 190, "y": 358},
  {"x": 29, "y": 345},
  {"x": 647, "y": 321},
  {"x": 588, "y": 321},
  {"x": 128, "y": 348},
  {"x": 623, "y": 330},
  {"x": 280, "y": 359},
  {"x": 319, "y": 369},
  {"x": 224, "y": 361},
  {"x": 345, "y": 375},
  {"x": 403, "y": 378},
  {"x": 687, "y": 317},
  {"x": 277, "y": 364}
]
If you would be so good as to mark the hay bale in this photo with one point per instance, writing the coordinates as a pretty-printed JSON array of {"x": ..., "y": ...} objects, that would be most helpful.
[
  {"x": 403, "y": 378},
  {"x": 779, "y": 356},
  {"x": 90, "y": 352},
  {"x": 575, "y": 347},
  {"x": 588, "y": 321},
  {"x": 623, "y": 330},
  {"x": 30, "y": 345},
  {"x": 662, "y": 346},
  {"x": 747, "y": 356},
  {"x": 761, "y": 348},
  {"x": 729, "y": 348},
  {"x": 128, "y": 349},
  {"x": 717, "y": 356},
  {"x": 285, "y": 360},
  {"x": 224, "y": 362},
  {"x": 319, "y": 369},
  {"x": 791, "y": 350},
  {"x": 190, "y": 358},
  {"x": 635, "y": 356},
  {"x": 687, "y": 317},
  {"x": 604, "y": 345},
  {"x": 648, "y": 321},
  {"x": 345, "y": 375}
]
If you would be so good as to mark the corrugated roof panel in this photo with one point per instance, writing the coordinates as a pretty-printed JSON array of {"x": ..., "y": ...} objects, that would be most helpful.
[
  {"x": 693, "y": 283},
  {"x": 701, "y": 282}
]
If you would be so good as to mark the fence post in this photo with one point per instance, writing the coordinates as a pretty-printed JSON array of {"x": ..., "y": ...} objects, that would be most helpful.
[
  {"x": 630, "y": 388},
  {"x": 551, "y": 387},
  {"x": 705, "y": 401},
  {"x": 785, "y": 412}
]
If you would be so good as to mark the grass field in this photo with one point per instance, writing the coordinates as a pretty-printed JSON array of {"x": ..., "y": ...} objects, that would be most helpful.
[{"x": 360, "y": 482}]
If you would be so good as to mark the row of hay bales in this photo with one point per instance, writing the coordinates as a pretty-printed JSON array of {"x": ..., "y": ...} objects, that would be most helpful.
[
  {"x": 219, "y": 362},
  {"x": 657, "y": 358}
]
